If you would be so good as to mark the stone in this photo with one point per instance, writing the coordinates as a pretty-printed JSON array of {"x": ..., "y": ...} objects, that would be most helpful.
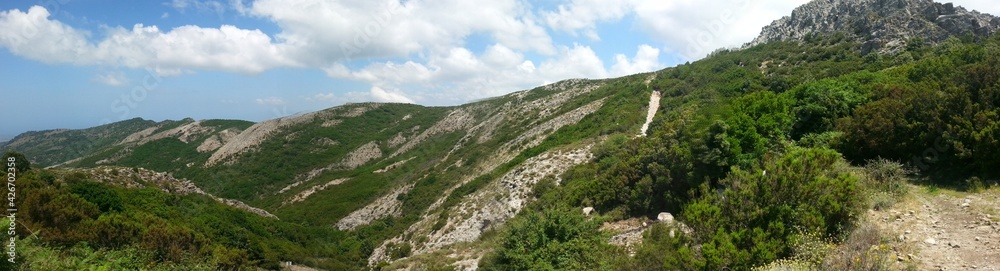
[
  {"x": 930, "y": 241},
  {"x": 665, "y": 217},
  {"x": 588, "y": 210},
  {"x": 894, "y": 24}
]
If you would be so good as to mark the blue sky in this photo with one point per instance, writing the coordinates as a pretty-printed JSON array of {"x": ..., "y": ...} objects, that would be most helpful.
[{"x": 82, "y": 63}]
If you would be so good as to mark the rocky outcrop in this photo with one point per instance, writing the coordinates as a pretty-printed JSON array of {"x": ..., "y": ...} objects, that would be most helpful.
[
  {"x": 388, "y": 205},
  {"x": 362, "y": 155},
  {"x": 490, "y": 207},
  {"x": 312, "y": 190},
  {"x": 881, "y": 25},
  {"x": 253, "y": 136},
  {"x": 217, "y": 141}
]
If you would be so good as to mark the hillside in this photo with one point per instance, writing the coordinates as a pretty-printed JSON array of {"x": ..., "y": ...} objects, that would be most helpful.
[{"x": 783, "y": 154}]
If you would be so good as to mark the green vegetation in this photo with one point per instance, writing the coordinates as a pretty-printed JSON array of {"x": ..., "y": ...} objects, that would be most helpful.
[
  {"x": 766, "y": 155},
  {"x": 751, "y": 156},
  {"x": 69, "y": 223},
  {"x": 15, "y": 160}
]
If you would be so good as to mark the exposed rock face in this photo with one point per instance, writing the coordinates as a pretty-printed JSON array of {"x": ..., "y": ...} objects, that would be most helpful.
[
  {"x": 882, "y": 25},
  {"x": 312, "y": 190},
  {"x": 253, "y": 136},
  {"x": 385, "y": 206},
  {"x": 215, "y": 142},
  {"x": 490, "y": 207},
  {"x": 362, "y": 155}
]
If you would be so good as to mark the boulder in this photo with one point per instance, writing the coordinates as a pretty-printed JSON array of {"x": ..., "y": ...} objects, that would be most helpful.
[
  {"x": 665, "y": 217},
  {"x": 588, "y": 210}
]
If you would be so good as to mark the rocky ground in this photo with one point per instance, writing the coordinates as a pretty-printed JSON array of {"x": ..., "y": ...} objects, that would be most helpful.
[{"x": 940, "y": 229}]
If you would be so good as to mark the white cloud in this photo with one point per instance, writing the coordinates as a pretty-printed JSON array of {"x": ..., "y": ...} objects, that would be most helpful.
[
  {"x": 461, "y": 75},
  {"x": 646, "y": 59},
  {"x": 271, "y": 101},
  {"x": 695, "y": 28},
  {"x": 394, "y": 96},
  {"x": 165, "y": 15},
  {"x": 115, "y": 79},
  {"x": 323, "y": 33},
  {"x": 32, "y": 35},
  {"x": 583, "y": 15}
]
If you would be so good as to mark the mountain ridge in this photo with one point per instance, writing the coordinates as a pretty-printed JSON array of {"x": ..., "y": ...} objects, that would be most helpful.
[{"x": 885, "y": 26}]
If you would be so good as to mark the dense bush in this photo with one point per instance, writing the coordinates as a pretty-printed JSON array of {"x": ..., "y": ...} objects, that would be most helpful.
[
  {"x": 552, "y": 240},
  {"x": 751, "y": 219}
]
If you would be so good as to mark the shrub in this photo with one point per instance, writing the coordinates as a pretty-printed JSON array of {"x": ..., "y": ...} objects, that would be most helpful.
[
  {"x": 665, "y": 247},
  {"x": 551, "y": 240},
  {"x": 757, "y": 215},
  {"x": 886, "y": 176},
  {"x": 974, "y": 185}
]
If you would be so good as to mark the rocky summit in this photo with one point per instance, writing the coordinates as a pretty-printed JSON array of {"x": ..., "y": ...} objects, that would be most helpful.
[{"x": 885, "y": 26}]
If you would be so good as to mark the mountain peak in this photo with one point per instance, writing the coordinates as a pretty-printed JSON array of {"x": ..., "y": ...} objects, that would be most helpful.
[{"x": 881, "y": 25}]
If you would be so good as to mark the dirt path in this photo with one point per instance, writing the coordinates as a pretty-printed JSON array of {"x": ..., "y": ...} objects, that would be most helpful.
[
  {"x": 944, "y": 229},
  {"x": 654, "y": 105}
]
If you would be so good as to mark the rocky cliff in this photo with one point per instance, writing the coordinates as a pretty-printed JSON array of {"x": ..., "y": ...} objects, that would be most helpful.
[{"x": 885, "y": 26}]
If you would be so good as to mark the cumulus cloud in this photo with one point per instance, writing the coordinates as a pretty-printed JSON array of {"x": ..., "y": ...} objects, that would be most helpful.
[
  {"x": 394, "y": 96},
  {"x": 461, "y": 75},
  {"x": 326, "y": 32},
  {"x": 33, "y": 35},
  {"x": 583, "y": 15},
  {"x": 645, "y": 60},
  {"x": 695, "y": 29}
]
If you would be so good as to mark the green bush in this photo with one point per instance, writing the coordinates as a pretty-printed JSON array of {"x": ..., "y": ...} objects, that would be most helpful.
[
  {"x": 752, "y": 221},
  {"x": 551, "y": 240}
]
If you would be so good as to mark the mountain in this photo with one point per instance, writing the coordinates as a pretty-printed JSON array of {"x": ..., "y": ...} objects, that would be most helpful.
[
  {"x": 757, "y": 157},
  {"x": 886, "y": 26},
  {"x": 51, "y": 147}
]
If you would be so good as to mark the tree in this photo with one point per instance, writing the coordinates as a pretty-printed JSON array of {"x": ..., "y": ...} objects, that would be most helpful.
[{"x": 19, "y": 161}]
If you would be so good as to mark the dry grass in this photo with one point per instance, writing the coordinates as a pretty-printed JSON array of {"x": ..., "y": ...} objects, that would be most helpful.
[{"x": 866, "y": 248}]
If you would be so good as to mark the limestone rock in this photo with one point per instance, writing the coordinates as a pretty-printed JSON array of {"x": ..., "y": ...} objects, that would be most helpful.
[
  {"x": 885, "y": 26},
  {"x": 665, "y": 217}
]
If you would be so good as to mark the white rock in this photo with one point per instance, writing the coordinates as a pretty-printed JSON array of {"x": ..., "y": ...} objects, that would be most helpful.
[
  {"x": 588, "y": 210},
  {"x": 665, "y": 217},
  {"x": 930, "y": 241}
]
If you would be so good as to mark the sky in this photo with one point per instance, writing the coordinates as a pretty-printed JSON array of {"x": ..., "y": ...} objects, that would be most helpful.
[{"x": 82, "y": 63}]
